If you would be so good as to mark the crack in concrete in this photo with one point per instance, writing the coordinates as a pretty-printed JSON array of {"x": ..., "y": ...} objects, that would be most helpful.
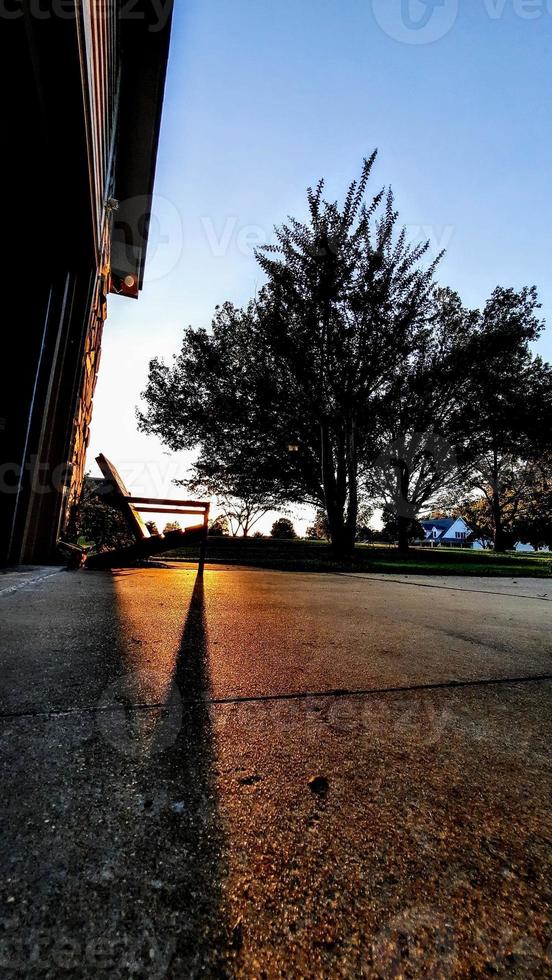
[
  {"x": 367, "y": 577},
  {"x": 289, "y": 696}
]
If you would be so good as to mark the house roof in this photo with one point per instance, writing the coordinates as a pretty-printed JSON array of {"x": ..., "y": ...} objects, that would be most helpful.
[
  {"x": 443, "y": 526},
  {"x": 442, "y": 523}
]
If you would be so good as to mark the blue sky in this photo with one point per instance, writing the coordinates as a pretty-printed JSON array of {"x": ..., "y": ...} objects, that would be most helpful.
[{"x": 265, "y": 97}]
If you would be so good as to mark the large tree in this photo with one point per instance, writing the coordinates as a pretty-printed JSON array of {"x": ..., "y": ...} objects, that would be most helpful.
[
  {"x": 418, "y": 417},
  {"x": 506, "y": 420},
  {"x": 346, "y": 296},
  {"x": 223, "y": 394},
  {"x": 243, "y": 496},
  {"x": 525, "y": 507},
  {"x": 287, "y": 388},
  {"x": 534, "y": 514}
]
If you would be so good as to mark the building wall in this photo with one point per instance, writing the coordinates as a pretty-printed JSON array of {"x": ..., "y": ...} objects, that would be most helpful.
[
  {"x": 85, "y": 404},
  {"x": 460, "y": 526},
  {"x": 81, "y": 130}
]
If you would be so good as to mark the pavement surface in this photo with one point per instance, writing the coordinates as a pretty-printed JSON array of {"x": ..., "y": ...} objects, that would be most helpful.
[{"x": 268, "y": 774}]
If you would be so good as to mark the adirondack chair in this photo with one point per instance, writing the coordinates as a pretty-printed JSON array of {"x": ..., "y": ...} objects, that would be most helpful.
[{"x": 116, "y": 494}]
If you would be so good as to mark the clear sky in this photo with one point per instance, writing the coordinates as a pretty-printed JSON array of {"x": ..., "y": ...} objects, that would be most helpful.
[{"x": 265, "y": 96}]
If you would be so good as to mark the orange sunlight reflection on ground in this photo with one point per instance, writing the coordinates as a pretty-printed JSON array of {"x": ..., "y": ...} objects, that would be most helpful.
[{"x": 150, "y": 632}]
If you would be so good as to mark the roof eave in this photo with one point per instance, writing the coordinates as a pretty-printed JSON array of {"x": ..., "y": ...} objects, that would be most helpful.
[{"x": 145, "y": 41}]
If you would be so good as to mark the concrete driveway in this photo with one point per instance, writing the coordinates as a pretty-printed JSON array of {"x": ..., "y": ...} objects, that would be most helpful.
[{"x": 274, "y": 774}]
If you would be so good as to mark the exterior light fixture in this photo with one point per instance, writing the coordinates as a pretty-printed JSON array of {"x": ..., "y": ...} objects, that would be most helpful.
[
  {"x": 123, "y": 285},
  {"x": 293, "y": 447}
]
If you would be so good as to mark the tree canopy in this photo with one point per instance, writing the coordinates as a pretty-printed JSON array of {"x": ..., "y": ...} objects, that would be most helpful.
[
  {"x": 283, "y": 528},
  {"x": 351, "y": 378},
  {"x": 505, "y": 424},
  {"x": 283, "y": 393}
]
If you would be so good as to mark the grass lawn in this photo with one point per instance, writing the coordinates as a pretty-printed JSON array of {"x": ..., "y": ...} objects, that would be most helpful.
[{"x": 315, "y": 556}]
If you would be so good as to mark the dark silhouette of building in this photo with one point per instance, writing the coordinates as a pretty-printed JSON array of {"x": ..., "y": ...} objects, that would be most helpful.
[{"x": 81, "y": 126}]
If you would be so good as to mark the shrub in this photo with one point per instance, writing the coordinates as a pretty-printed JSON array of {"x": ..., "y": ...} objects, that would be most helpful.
[
  {"x": 96, "y": 525},
  {"x": 283, "y": 528},
  {"x": 219, "y": 528}
]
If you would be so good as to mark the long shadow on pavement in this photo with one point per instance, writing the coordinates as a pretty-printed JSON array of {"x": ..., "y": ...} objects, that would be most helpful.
[
  {"x": 113, "y": 852},
  {"x": 191, "y": 828}
]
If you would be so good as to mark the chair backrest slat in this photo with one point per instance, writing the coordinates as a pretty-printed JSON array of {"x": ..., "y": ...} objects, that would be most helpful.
[{"x": 120, "y": 492}]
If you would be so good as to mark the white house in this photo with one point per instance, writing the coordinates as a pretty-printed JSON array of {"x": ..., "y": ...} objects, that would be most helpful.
[
  {"x": 454, "y": 531},
  {"x": 524, "y": 546},
  {"x": 447, "y": 530}
]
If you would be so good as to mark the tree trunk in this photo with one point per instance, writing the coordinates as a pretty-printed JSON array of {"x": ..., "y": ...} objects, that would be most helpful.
[
  {"x": 403, "y": 525},
  {"x": 499, "y": 538},
  {"x": 352, "y": 485},
  {"x": 403, "y": 522},
  {"x": 340, "y": 490}
]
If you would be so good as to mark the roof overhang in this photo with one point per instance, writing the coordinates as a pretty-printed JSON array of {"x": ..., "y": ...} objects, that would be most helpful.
[{"x": 145, "y": 35}]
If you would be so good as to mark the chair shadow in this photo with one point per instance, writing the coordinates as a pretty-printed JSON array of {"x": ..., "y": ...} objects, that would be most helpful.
[
  {"x": 119, "y": 854},
  {"x": 188, "y": 832}
]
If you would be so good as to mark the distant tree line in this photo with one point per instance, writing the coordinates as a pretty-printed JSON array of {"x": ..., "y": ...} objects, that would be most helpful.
[{"x": 354, "y": 379}]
